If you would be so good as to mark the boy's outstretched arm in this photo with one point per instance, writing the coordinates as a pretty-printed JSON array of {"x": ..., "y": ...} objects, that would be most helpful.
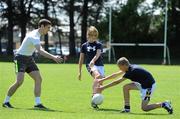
[
  {"x": 112, "y": 76},
  {"x": 111, "y": 84}
]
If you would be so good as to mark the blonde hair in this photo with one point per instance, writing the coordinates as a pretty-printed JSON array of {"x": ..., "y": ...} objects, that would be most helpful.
[
  {"x": 92, "y": 31},
  {"x": 123, "y": 61}
]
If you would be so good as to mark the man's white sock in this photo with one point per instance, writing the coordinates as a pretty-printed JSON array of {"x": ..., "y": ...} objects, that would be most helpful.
[
  {"x": 37, "y": 100},
  {"x": 7, "y": 99}
]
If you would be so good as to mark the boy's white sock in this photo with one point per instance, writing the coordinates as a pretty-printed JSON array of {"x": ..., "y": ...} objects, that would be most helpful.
[
  {"x": 7, "y": 99},
  {"x": 37, "y": 100}
]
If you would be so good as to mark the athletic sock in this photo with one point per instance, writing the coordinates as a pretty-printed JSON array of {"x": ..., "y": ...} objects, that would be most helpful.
[
  {"x": 163, "y": 105},
  {"x": 37, "y": 100},
  {"x": 127, "y": 107},
  {"x": 7, "y": 99}
]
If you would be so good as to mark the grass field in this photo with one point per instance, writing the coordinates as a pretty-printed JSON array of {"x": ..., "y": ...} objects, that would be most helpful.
[{"x": 70, "y": 99}]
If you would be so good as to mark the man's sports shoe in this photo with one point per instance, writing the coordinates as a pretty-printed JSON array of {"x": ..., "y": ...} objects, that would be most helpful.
[
  {"x": 40, "y": 106},
  {"x": 94, "y": 106},
  {"x": 125, "y": 111},
  {"x": 7, "y": 105},
  {"x": 167, "y": 106}
]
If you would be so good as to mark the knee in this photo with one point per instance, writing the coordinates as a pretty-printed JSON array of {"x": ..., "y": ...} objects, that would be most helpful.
[
  {"x": 144, "y": 108},
  {"x": 126, "y": 87},
  {"x": 98, "y": 76},
  {"x": 38, "y": 79},
  {"x": 96, "y": 79},
  {"x": 19, "y": 83}
]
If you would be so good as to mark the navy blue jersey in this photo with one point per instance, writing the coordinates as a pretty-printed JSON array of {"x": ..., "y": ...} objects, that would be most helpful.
[
  {"x": 137, "y": 74},
  {"x": 90, "y": 49}
]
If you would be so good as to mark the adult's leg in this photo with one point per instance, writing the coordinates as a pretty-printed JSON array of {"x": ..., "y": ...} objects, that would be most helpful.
[
  {"x": 12, "y": 89},
  {"x": 37, "y": 84},
  {"x": 17, "y": 84},
  {"x": 37, "y": 88}
]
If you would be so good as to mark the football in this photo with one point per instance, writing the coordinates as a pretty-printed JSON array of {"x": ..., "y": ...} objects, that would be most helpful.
[{"x": 97, "y": 99}]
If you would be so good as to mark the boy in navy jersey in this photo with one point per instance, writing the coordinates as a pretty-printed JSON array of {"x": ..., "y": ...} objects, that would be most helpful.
[
  {"x": 141, "y": 80},
  {"x": 92, "y": 51}
]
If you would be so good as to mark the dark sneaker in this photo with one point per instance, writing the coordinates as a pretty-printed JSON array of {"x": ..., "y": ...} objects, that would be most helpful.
[
  {"x": 40, "y": 106},
  {"x": 125, "y": 111},
  {"x": 167, "y": 106},
  {"x": 7, "y": 105},
  {"x": 94, "y": 106}
]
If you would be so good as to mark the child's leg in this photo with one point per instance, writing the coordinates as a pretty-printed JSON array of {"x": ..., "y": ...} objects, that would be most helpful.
[
  {"x": 145, "y": 106},
  {"x": 96, "y": 75},
  {"x": 126, "y": 92},
  {"x": 146, "y": 95},
  {"x": 97, "y": 72},
  {"x": 148, "y": 107}
]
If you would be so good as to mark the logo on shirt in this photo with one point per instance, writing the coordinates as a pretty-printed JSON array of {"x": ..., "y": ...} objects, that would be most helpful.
[{"x": 91, "y": 48}]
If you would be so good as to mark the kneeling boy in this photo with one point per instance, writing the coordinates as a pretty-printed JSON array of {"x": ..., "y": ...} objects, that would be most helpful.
[{"x": 141, "y": 80}]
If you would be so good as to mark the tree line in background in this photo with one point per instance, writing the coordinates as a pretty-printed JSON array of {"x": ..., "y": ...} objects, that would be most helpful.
[
  {"x": 27, "y": 13},
  {"x": 131, "y": 21},
  {"x": 131, "y": 25}
]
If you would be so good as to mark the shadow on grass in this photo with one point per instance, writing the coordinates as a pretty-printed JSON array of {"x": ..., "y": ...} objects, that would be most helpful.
[
  {"x": 47, "y": 110},
  {"x": 149, "y": 114},
  {"x": 35, "y": 109},
  {"x": 108, "y": 110},
  {"x": 116, "y": 110}
]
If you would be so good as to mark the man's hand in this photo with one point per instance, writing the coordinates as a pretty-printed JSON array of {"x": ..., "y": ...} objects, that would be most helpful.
[
  {"x": 57, "y": 59},
  {"x": 79, "y": 76}
]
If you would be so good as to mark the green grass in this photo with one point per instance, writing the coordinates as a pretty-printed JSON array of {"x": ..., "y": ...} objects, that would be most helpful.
[{"x": 70, "y": 98}]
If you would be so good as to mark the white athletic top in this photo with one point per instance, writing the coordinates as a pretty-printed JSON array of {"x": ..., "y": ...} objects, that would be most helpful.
[{"x": 27, "y": 47}]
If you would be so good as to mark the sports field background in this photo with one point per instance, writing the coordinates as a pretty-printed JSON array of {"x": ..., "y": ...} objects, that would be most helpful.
[{"x": 70, "y": 99}]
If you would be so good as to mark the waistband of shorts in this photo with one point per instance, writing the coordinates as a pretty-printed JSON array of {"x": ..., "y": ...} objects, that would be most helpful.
[
  {"x": 16, "y": 55},
  {"x": 87, "y": 65},
  {"x": 149, "y": 86}
]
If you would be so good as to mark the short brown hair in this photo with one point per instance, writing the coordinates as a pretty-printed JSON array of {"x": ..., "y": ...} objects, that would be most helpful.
[
  {"x": 44, "y": 22},
  {"x": 92, "y": 31},
  {"x": 123, "y": 61}
]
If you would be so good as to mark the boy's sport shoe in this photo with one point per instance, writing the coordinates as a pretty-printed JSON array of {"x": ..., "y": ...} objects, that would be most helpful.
[
  {"x": 94, "y": 106},
  {"x": 125, "y": 111},
  {"x": 7, "y": 105},
  {"x": 167, "y": 106},
  {"x": 40, "y": 106}
]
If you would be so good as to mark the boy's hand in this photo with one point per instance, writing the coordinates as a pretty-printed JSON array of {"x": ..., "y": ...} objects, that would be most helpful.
[
  {"x": 100, "y": 88},
  {"x": 100, "y": 81}
]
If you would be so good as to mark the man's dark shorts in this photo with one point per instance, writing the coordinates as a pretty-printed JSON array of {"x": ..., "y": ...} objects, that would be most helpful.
[{"x": 25, "y": 63}]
